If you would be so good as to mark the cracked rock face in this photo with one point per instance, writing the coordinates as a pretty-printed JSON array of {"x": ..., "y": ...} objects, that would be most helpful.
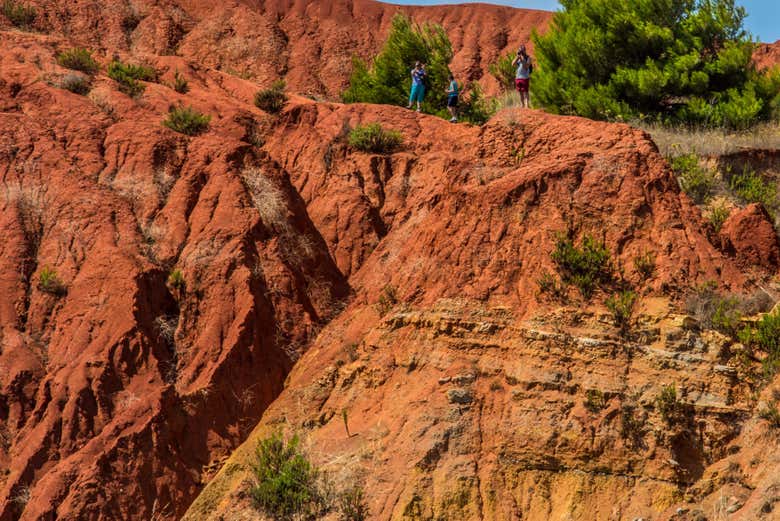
[{"x": 562, "y": 417}]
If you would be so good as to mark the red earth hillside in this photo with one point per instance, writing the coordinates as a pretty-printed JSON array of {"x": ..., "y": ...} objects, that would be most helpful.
[
  {"x": 309, "y": 43},
  {"x": 767, "y": 55},
  {"x": 469, "y": 395},
  {"x": 158, "y": 288}
]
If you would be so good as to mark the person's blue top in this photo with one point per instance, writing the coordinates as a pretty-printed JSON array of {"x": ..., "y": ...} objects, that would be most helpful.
[
  {"x": 417, "y": 76},
  {"x": 453, "y": 90}
]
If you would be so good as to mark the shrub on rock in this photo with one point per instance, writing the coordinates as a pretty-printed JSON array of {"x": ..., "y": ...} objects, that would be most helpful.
[{"x": 187, "y": 120}]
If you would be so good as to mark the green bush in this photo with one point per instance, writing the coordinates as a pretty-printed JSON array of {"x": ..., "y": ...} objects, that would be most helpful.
[
  {"x": 75, "y": 84},
  {"x": 388, "y": 298},
  {"x": 476, "y": 108},
  {"x": 727, "y": 316},
  {"x": 187, "y": 120},
  {"x": 288, "y": 487},
  {"x": 667, "y": 404},
  {"x": 285, "y": 481},
  {"x": 388, "y": 79},
  {"x": 644, "y": 265},
  {"x": 49, "y": 282},
  {"x": 352, "y": 505},
  {"x": 765, "y": 335},
  {"x": 621, "y": 306},
  {"x": 631, "y": 427},
  {"x": 550, "y": 285},
  {"x": 594, "y": 400},
  {"x": 714, "y": 310},
  {"x": 695, "y": 180},
  {"x": 272, "y": 100},
  {"x": 673, "y": 61},
  {"x": 20, "y": 15},
  {"x": 586, "y": 266},
  {"x": 78, "y": 59},
  {"x": 717, "y": 216},
  {"x": 771, "y": 415},
  {"x": 180, "y": 83},
  {"x": 130, "y": 77},
  {"x": 176, "y": 280},
  {"x": 374, "y": 138},
  {"x": 503, "y": 70},
  {"x": 752, "y": 188}
]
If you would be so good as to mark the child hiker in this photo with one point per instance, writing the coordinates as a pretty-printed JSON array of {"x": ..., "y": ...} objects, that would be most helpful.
[
  {"x": 452, "y": 98},
  {"x": 417, "y": 93}
]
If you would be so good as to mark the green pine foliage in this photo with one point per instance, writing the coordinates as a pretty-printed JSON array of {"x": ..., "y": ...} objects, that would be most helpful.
[
  {"x": 129, "y": 77},
  {"x": 387, "y": 79},
  {"x": 21, "y": 15},
  {"x": 76, "y": 84},
  {"x": 475, "y": 107},
  {"x": 586, "y": 266},
  {"x": 187, "y": 120},
  {"x": 751, "y": 187},
  {"x": 180, "y": 83},
  {"x": 622, "y": 306},
  {"x": 695, "y": 180},
  {"x": 285, "y": 480},
  {"x": 374, "y": 138},
  {"x": 765, "y": 335},
  {"x": 676, "y": 61},
  {"x": 289, "y": 487},
  {"x": 272, "y": 100},
  {"x": 668, "y": 404},
  {"x": 504, "y": 71},
  {"x": 78, "y": 59}
]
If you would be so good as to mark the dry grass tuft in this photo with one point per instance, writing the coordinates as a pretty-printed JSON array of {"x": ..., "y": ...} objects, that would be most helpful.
[
  {"x": 270, "y": 202},
  {"x": 267, "y": 199},
  {"x": 30, "y": 201},
  {"x": 22, "y": 497},
  {"x": 166, "y": 325},
  {"x": 673, "y": 142}
]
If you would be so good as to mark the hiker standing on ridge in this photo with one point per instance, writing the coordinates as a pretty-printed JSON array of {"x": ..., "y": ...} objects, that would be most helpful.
[
  {"x": 417, "y": 92},
  {"x": 523, "y": 75},
  {"x": 452, "y": 98}
]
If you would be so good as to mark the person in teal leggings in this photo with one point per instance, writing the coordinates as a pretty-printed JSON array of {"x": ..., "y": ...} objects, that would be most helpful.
[{"x": 417, "y": 94}]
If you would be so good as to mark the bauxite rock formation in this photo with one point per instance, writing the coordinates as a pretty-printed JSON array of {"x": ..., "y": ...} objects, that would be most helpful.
[{"x": 157, "y": 288}]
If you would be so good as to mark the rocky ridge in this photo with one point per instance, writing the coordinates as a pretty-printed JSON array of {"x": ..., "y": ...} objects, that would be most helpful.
[{"x": 309, "y": 43}]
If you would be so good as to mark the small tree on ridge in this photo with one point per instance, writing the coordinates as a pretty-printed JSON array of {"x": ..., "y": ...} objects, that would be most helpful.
[{"x": 387, "y": 80}]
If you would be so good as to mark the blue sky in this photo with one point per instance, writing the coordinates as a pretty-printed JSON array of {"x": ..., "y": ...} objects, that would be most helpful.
[{"x": 763, "y": 19}]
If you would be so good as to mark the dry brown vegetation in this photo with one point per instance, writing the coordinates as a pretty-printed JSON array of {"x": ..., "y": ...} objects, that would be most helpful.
[{"x": 713, "y": 142}]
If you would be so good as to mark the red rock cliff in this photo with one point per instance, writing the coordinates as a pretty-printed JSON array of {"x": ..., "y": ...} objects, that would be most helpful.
[
  {"x": 309, "y": 43},
  {"x": 157, "y": 289}
]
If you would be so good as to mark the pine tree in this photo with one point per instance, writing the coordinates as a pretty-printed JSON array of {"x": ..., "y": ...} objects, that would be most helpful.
[
  {"x": 388, "y": 80},
  {"x": 676, "y": 61}
]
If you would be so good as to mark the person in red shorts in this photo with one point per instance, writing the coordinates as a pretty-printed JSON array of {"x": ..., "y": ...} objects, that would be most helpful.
[{"x": 523, "y": 75}]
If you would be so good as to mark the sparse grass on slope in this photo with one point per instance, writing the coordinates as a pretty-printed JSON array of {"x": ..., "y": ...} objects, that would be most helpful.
[
  {"x": 21, "y": 15},
  {"x": 713, "y": 142},
  {"x": 272, "y": 100}
]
